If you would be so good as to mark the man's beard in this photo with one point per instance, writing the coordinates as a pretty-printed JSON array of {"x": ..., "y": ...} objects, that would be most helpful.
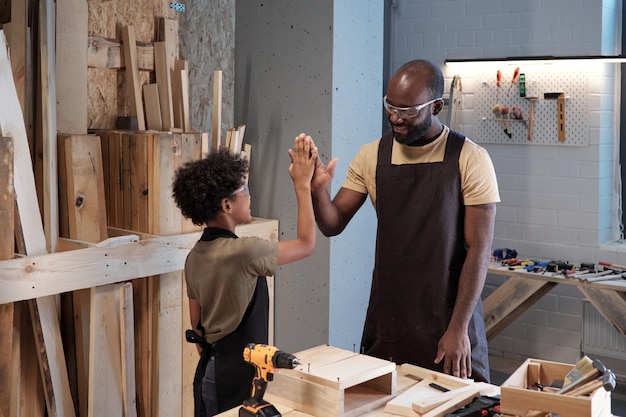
[{"x": 414, "y": 134}]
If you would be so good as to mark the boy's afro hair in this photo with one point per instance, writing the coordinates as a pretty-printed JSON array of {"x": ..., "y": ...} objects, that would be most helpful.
[{"x": 200, "y": 186}]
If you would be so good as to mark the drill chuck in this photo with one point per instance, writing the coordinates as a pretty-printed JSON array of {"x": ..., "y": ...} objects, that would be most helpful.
[{"x": 285, "y": 360}]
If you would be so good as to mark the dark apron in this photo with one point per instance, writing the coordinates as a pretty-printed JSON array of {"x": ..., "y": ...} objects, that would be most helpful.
[
  {"x": 420, "y": 250},
  {"x": 233, "y": 375}
]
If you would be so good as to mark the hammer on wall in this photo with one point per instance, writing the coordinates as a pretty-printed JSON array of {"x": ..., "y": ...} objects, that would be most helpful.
[{"x": 560, "y": 112}]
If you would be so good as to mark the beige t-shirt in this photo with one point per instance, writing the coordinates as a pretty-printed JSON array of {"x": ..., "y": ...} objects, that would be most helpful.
[
  {"x": 222, "y": 274},
  {"x": 478, "y": 177}
]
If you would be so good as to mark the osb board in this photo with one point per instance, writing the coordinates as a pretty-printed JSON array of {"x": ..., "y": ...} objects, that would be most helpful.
[
  {"x": 106, "y": 93},
  {"x": 207, "y": 40}
]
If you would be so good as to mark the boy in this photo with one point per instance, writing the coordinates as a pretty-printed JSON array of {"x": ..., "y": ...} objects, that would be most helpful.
[{"x": 226, "y": 275}]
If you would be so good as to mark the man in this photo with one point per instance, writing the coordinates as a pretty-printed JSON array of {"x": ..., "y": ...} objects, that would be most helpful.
[{"x": 435, "y": 195}]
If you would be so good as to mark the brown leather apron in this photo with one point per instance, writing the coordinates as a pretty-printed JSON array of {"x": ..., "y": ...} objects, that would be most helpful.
[{"x": 420, "y": 250}]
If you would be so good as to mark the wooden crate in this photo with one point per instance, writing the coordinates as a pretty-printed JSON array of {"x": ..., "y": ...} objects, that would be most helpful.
[
  {"x": 334, "y": 382},
  {"x": 518, "y": 394}
]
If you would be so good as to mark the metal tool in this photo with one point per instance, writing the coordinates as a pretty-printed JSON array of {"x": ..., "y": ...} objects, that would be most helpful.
[
  {"x": 560, "y": 109},
  {"x": 454, "y": 103},
  {"x": 265, "y": 359},
  {"x": 606, "y": 381},
  {"x": 531, "y": 116}
]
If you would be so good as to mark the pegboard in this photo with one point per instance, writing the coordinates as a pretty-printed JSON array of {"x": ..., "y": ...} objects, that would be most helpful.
[{"x": 575, "y": 85}]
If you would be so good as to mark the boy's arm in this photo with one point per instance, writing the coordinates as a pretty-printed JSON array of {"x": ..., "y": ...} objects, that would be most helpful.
[
  {"x": 303, "y": 158},
  {"x": 195, "y": 315}
]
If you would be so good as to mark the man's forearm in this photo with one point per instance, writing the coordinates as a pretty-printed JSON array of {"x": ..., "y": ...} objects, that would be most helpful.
[{"x": 471, "y": 284}]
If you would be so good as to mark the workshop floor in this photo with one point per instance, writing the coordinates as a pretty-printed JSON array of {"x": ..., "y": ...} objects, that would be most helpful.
[{"x": 502, "y": 368}]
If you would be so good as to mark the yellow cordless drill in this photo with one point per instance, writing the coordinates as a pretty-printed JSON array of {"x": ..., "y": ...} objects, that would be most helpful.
[{"x": 265, "y": 359}]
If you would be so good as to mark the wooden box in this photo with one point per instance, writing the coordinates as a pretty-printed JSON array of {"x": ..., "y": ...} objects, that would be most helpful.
[
  {"x": 518, "y": 393},
  {"x": 334, "y": 382}
]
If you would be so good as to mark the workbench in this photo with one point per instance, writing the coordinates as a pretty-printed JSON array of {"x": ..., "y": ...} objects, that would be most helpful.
[
  {"x": 404, "y": 382},
  {"x": 522, "y": 289}
]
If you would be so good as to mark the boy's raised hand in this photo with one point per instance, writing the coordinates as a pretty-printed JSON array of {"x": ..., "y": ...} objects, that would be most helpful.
[{"x": 303, "y": 160}]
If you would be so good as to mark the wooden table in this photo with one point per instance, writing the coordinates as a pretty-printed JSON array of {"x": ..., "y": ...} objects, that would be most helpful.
[
  {"x": 522, "y": 289},
  {"x": 404, "y": 381}
]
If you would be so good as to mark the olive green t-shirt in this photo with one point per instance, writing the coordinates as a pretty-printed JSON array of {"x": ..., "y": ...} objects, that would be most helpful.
[{"x": 221, "y": 275}]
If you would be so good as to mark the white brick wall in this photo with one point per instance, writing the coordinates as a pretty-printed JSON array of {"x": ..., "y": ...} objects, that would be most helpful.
[{"x": 557, "y": 201}]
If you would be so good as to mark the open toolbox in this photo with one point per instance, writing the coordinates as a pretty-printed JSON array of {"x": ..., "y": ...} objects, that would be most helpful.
[{"x": 519, "y": 396}]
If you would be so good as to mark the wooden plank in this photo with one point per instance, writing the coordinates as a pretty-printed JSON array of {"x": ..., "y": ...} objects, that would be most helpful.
[
  {"x": 19, "y": 36},
  {"x": 163, "y": 78},
  {"x": 170, "y": 320},
  {"x": 7, "y": 199},
  {"x": 29, "y": 277},
  {"x": 184, "y": 100},
  {"x": 47, "y": 333},
  {"x": 129, "y": 393},
  {"x": 12, "y": 125},
  {"x": 610, "y": 304},
  {"x": 192, "y": 145},
  {"x": 510, "y": 300},
  {"x": 139, "y": 195},
  {"x": 216, "y": 127},
  {"x": 153, "y": 107},
  {"x": 105, "y": 376},
  {"x": 234, "y": 144},
  {"x": 401, "y": 405},
  {"x": 428, "y": 404},
  {"x": 449, "y": 381},
  {"x": 85, "y": 187},
  {"x": 177, "y": 99},
  {"x": 167, "y": 31},
  {"x": 47, "y": 70},
  {"x": 125, "y": 180},
  {"x": 180, "y": 95},
  {"x": 133, "y": 83},
  {"x": 113, "y": 165},
  {"x": 246, "y": 154},
  {"x": 107, "y": 53},
  {"x": 86, "y": 218},
  {"x": 30, "y": 380},
  {"x": 8, "y": 403},
  {"x": 453, "y": 404},
  {"x": 64, "y": 227},
  {"x": 71, "y": 66},
  {"x": 144, "y": 345},
  {"x": 140, "y": 147},
  {"x": 191, "y": 149}
]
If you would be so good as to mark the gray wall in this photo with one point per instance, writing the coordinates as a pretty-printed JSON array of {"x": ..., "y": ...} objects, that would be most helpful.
[{"x": 313, "y": 67}]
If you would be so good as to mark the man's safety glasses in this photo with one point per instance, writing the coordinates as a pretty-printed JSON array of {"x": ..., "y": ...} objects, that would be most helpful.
[{"x": 406, "y": 112}]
